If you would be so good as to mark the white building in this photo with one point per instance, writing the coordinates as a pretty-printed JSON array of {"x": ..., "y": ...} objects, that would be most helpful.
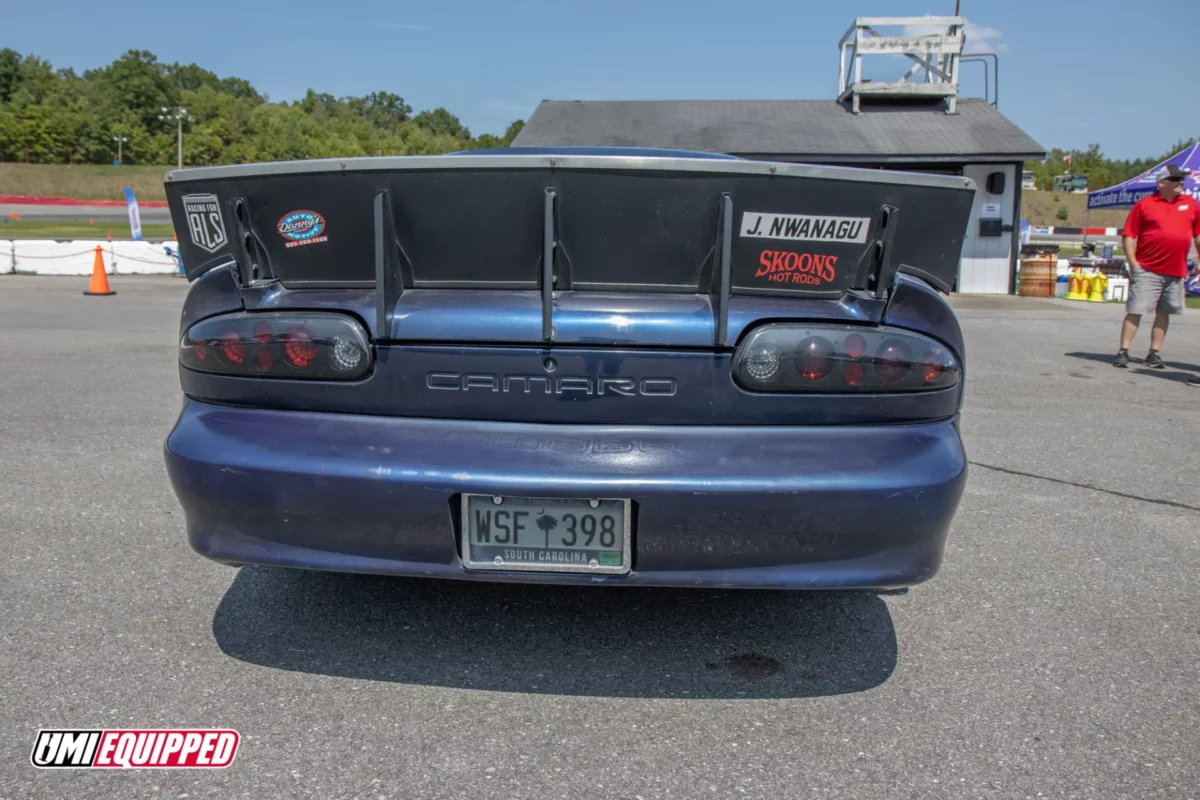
[{"x": 918, "y": 125}]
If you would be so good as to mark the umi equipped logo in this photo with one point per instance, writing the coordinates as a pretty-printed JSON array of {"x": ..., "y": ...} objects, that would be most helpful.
[
  {"x": 141, "y": 748},
  {"x": 784, "y": 266},
  {"x": 302, "y": 227},
  {"x": 803, "y": 228}
]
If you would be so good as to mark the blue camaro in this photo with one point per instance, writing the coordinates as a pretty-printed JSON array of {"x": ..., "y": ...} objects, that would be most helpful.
[{"x": 576, "y": 366}]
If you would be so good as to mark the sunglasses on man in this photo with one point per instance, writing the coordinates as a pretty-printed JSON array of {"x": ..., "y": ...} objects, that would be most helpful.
[{"x": 1174, "y": 180}]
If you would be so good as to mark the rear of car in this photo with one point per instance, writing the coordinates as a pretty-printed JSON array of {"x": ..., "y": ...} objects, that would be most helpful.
[{"x": 579, "y": 367}]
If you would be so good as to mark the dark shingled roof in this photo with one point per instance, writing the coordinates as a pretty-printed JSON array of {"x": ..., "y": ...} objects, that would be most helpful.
[{"x": 790, "y": 130}]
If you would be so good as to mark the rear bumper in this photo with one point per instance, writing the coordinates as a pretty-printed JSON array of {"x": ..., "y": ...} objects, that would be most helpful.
[{"x": 771, "y": 507}]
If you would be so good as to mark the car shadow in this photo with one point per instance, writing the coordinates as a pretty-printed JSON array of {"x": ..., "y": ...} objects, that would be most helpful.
[
  {"x": 1176, "y": 370},
  {"x": 587, "y": 641}
]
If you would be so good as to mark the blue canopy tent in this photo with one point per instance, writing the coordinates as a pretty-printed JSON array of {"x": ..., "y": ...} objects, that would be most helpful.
[{"x": 1124, "y": 195}]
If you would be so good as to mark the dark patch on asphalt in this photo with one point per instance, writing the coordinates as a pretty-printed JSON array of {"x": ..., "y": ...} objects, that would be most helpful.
[{"x": 753, "y": 665}]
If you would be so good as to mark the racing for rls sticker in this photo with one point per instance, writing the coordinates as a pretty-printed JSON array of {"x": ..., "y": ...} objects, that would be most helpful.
[
  {"x": 302, "y": 227},
  {"x": 803, "y": 228},
  {"x": 806, "y": 269},
  {"x": 212, "y": 748},
  {"x": 205, "y": 226}
]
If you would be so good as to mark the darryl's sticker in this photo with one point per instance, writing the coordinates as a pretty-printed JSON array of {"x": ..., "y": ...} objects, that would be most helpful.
[
  {"x": 302, "y": 227},
  {"x": 804, "y": 228}
]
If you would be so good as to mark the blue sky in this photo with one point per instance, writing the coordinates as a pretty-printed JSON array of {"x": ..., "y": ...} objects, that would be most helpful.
[{"x": 1067, "y": 76}]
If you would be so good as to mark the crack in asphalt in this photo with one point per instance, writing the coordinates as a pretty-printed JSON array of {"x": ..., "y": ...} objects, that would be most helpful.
[{"x": 1113, "y": 492}]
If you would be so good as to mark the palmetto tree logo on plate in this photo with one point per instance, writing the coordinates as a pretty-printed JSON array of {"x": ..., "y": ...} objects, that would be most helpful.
[{"x": 547, "y": 523}]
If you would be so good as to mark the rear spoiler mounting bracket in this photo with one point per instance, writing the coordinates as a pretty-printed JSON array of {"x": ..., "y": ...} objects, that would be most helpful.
[
  {"x": 876, "y": 271},
  {"x": 254, "y": 265},
  {"x": 719, "y": 286},
  {"x": 393, "y": 270}
]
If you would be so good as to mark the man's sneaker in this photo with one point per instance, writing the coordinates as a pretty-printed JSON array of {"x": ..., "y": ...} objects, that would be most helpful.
[
  {"x": 1154, "y": 360},
  {"x": 1122, "y": 359},
  {"x": 1194, "y": 381}
]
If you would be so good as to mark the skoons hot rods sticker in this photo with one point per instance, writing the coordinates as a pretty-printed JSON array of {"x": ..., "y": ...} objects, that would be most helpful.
[{"x": 788, "y": 265}]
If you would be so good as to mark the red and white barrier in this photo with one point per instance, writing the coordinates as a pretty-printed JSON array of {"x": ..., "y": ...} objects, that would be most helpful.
[
  {"x": 1047, "y": 230},
  {"x": 41, "y": 200},
  {"x": 50, "y": 257}
]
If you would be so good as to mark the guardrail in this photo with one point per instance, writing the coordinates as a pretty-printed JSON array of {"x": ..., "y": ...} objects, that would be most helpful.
[
  {"x": 75, "y": 257},
  {"x": 1060, "y": 230}
]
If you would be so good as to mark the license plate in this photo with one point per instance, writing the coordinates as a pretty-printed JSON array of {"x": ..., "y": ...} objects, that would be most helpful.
[{"x": 545, "y": 534}]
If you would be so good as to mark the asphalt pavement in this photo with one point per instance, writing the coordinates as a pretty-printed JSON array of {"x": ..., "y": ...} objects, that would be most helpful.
[
  {"x": 80, "y": 213},
  {"x": 1056, "y": 655}
]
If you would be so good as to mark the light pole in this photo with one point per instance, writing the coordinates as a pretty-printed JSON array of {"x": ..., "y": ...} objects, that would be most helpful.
[
  {"x": 120, "y": 140},
  {"x": 179, "y": 115}
]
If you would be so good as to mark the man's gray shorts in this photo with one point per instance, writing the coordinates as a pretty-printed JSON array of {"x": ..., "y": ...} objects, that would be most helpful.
[{"x": 1152, "y": 293}]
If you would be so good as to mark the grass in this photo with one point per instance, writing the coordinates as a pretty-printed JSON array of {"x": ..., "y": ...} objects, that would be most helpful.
[
  {"x": 1192, "y": 302},
  {"x": 82, "y": 181},
  {"x": 1040, "y": 208},
  {"x": 68, "y": 229}
]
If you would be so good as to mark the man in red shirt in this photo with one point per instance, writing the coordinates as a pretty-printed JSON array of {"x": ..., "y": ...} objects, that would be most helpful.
[{"x": 1164, "y": 226}]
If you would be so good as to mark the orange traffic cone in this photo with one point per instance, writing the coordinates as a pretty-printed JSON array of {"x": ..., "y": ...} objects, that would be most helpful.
[{"x": 99, "y": 278}]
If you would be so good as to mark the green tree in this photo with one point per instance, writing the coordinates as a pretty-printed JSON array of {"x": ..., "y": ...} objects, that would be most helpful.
[
  {"x": 1101, "y": 172},
  {"x": 486, "y": 140},
  {"x": 511, "y": 132},
  {"x": 49, "y": 115},
  {"x": 190, "y": 76},
  {"x": 137, "y": 83},
  {"x": 10, "y": 134},
  {"x": 441, "y": 122},
  {"x": 382, "y": 110},
  {"x": 10, "y": 71}
]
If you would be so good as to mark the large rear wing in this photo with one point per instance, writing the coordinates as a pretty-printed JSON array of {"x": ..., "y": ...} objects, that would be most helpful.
[{"x": 571, "y": 222}]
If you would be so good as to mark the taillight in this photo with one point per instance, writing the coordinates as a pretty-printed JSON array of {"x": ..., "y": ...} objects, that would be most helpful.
[
  {"x": 299, "y": 345},
  {"x": 936, "y": 363},
  {"x": 761, "y": 363},
  {"x": 854, "y": 345},
  {"x": 892, "y": 361},
  {"x": 814, "y": 358},
  {"x": 232, "y": 348},
  {"x": 795, "y": 358}
]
